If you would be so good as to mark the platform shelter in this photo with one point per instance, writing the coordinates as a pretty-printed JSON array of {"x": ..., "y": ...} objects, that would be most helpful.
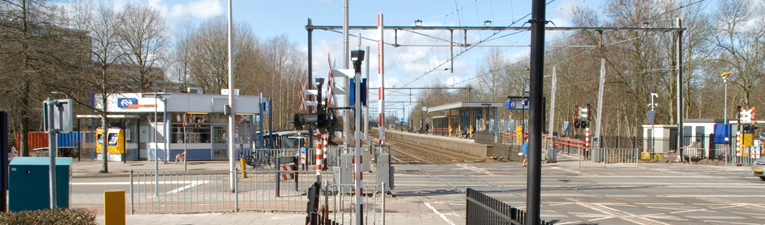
[{"x": 468, "y": 117}]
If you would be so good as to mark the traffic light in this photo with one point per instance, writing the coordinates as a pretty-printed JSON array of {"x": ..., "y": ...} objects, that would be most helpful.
[{"x": 589, "y": 112}]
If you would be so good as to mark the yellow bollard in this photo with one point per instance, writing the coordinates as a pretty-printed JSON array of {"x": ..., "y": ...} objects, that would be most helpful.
[
  {"x": 244, "y": 167},
  {"x": 114, "y": 207}
]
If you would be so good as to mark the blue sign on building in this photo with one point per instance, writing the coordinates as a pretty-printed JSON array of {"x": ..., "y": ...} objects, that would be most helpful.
[
  {"x": 125, "y": 102},
  {"x": 519, "y": 104}
]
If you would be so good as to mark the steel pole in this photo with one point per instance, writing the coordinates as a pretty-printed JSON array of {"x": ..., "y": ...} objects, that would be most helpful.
[
  {"x": 310, "y": 79},
  {"x": 536, "y": 105},
  {"x": 653, "y": 128},
  {"x": 725, "y": 117},
  {"x": 346, "y": 113},
  {"x": 232, "y": 109},
  {"x": 357, "y": 144},
  {"x": 679, "y": 73},
  {"x": 52, "y": 151},
  {"x": 156, "y": 147}
]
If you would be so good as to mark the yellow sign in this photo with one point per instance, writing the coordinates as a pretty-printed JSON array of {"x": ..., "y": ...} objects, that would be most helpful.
[
  {"x": 519, "y": 134},
  {"x": 758, "y": 170}
]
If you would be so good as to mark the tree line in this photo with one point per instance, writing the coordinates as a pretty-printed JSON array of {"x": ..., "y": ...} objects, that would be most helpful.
[
  {"x": 726, "y": 35},
  {"x": 89, "y": 47}
]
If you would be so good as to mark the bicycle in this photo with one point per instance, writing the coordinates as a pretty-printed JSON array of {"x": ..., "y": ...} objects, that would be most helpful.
[{"x": 260, "y": 158}]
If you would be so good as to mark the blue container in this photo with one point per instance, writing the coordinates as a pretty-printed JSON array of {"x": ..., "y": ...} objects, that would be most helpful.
[{"x": 28, "y": 183}]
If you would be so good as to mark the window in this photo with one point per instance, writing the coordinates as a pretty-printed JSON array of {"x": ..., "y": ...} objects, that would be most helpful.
[{"x": 219, "y": 134}]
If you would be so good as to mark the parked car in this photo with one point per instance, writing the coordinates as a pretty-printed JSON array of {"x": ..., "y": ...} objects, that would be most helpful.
[{"x": 758, "y": 167}]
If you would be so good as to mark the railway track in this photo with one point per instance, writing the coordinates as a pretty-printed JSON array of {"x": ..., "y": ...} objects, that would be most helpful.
[{"x": 419, "y": 153}]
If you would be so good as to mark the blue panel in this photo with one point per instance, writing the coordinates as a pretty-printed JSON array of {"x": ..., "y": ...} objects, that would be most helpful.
[
  {"x": 67, "y": 140},
  {"x": 352, "y": 94},
  {"x": 721, "y": 132}
]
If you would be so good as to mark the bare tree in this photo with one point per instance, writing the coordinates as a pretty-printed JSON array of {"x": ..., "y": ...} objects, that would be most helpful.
[
  {"x": 739, "y": 38},
  {"x": 101, "y": 21},
  {"x": 33, "y": 52},
  {"x": 143, "y": 39}
]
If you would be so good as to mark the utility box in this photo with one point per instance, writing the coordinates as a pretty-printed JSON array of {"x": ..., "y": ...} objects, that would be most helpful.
[
  {"x": 343, "y": 174},
  {"x": 29, "y": 183},
  {"x": 384, "y": 172}
]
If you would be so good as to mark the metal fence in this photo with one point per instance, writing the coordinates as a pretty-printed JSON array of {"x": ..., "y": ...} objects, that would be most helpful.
[
  {"x": 264, "y": 159},
  {"x": 209, "y": 191},
  {"x": 482, "y": 209},
  {"x": 608, "y": 157},
  {"x": 260, "y": 190}
]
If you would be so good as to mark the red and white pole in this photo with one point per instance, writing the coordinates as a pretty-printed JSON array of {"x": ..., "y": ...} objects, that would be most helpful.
[
  {"x": 381, "y": 78},
  {"x": 326, "y": 144},
  {"x": 319, "y": 155},
  {"x": 587, "y": 137},
  {"x": 738, "y": 143}
]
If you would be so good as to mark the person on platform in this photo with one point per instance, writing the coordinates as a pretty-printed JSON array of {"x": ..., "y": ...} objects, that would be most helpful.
[{"x": 525, "y": 151}]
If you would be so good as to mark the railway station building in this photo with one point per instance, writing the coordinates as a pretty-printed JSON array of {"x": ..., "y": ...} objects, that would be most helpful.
[{"x": 143, "y": 126}]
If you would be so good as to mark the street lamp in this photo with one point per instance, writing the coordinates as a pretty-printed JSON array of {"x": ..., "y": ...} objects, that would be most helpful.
[
  {"x": 725, "y": 105},
  {"x": 653, "y": 120},
  {"x": 724, "y": 76},
  {"x": 163, "y": 97}
]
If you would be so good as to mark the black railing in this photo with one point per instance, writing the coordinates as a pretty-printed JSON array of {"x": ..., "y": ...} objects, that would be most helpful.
[{"x": 485, "y": 210}]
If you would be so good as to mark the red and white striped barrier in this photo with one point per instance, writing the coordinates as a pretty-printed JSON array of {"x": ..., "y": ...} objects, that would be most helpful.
[{"x": 287, "y": 168}]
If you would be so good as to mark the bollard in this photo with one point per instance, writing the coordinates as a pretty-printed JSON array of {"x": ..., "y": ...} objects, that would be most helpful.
[
  {"x": 244, "y": 168},
  {"x": 114, "y": 207}
]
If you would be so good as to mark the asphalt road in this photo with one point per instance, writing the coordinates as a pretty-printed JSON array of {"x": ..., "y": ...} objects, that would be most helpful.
[{"x": 649, "y": 194}]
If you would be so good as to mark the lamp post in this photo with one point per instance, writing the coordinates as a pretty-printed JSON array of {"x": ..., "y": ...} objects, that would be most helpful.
[
  {"x": 653, "y": 121},
  {"x": 724, "y": 76},
  {"x": 163, "y": 97}
]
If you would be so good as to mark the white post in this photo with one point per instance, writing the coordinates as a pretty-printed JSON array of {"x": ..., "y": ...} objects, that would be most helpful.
[
  {"x": 600, "y": 98},
  {"x": 552, "y": 116},
  {"x": 231, "y": 111},
  {"x": 366, "y": 112},
  {"x": 380, "y": 79}
]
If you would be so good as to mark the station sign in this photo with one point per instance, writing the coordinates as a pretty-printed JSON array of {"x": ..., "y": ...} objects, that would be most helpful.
[{"x": 517, "y": 104}]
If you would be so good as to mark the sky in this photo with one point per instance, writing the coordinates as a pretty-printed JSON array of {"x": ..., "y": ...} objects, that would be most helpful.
[{"x": 404, "y": 66}]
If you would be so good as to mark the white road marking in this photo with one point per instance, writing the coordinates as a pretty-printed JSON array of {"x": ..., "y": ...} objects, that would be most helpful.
[
  {"x": 194, "y": 184},
  {"x": 474, "y": 169},
  {"x": 439, "y": 214},
  {"x": 619, "y": 214}
]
